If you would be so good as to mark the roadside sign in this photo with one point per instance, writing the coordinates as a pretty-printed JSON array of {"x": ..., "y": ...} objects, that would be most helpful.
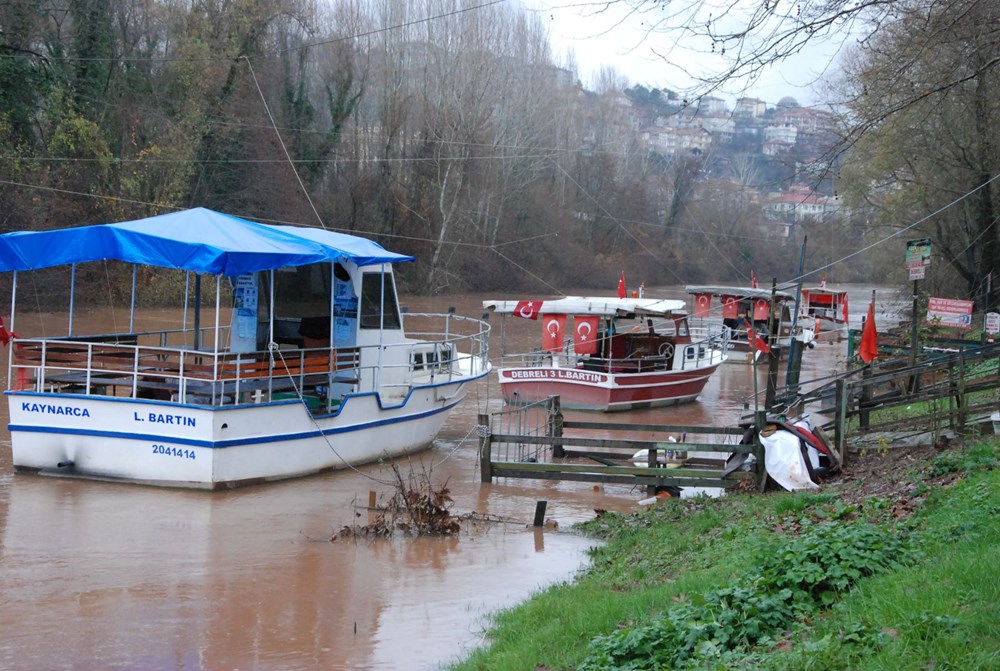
[
  {"x": 918, "y": 257},
  {"x": 949, "y": 312},
  {"x": 992, "y": 322}
]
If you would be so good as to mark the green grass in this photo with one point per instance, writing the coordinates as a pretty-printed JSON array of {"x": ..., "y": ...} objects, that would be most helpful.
[{"x": 780, "y": 581}]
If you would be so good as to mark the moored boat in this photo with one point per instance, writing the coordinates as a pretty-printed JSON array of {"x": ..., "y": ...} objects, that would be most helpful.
[
  {"x": 309, "y": 363},
  {"x": 826, "y": 308},
  {"x": 608, "y": 354},
  {"x": 736, "y": 308}
]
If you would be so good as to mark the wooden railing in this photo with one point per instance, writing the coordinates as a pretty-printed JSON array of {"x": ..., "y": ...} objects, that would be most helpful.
[
  {"x": 944, "y": 391},
  {"x": 537, "y": 442}
]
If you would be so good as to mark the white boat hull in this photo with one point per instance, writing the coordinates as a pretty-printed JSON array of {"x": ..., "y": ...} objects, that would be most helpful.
[{"x": 170, "y": 444}]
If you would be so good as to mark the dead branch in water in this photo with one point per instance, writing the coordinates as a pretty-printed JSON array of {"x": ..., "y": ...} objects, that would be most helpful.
[{"x": 416, "y": 508}]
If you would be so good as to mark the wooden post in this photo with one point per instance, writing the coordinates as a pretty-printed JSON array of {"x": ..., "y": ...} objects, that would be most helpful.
[
  {"x": 963, "y": 405},
  {"x": 555, "y": 426},
  {"x": 485, "y": 450},
  {"x": 840, "y": 421},
  {"x": 772, "y": 339},
  {"x": 864, "y": 414},
  {"x": 914, "y": 345},
  {"x": 651, "y": 463},
  {"x": 760, "y": 470},
  {"x": 540, "y": 513}
]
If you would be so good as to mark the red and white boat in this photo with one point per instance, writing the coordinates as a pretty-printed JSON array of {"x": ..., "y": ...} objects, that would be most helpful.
[
  {"x": 825, "y": 304},
  {"x": 736, "y": 307},
  {"x": 608, "y": 354}
]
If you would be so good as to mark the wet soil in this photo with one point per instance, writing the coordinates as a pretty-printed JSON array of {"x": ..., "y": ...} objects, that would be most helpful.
[{"x": 892, "y": 474}]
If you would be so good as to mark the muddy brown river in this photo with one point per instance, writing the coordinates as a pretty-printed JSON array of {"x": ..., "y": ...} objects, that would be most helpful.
[{"x": 111, "y": 576}]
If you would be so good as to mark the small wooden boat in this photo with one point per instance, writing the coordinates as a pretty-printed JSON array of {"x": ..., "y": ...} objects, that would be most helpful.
[
  {"x": 609, "y": 354},
  {"x": 308, "y": 365}
]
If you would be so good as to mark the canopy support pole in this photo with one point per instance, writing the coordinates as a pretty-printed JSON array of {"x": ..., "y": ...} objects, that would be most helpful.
[
  {"x": 131, "y": 316},
  {"x": 197, "y": 312},
  {"x": 72, "y": 295}
]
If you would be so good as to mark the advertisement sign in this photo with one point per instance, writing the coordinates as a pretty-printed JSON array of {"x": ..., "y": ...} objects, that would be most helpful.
[
  {"x": 949, "y": 312},
  {"x": 918, "y": 257},
  {"x": 992, "y": 324}
]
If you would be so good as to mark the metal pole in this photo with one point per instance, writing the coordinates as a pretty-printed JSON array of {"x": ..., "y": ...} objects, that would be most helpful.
[{"x": 795, "y": 347}]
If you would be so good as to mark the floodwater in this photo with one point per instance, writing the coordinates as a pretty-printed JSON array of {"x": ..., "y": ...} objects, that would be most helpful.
[{"x": 111, "y": 576}]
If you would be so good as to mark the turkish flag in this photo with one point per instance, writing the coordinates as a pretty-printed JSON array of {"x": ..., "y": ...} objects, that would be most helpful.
[
  {"x": 760, "y": 308},
  {"x": 552, "y": 332},
  {"x": 868, "y": 350},
  {"x": 621, "y": 285},
  {"x": 702, "y": 305},
  {"x": 730, "y": 307},
  {"x": 585, "y": 334},
  {"x": 5, "y": 335},
  {"x": 756, "y": 343},
  {"x": 527, "y": 309}
]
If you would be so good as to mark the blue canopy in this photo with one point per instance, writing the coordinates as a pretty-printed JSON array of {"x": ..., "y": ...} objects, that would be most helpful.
[{"x": 198, "y": 240}]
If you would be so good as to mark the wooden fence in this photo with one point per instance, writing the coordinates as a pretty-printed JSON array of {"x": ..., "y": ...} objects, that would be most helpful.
[
  {"x": 952, "y": 391},
  {"x": 535, "y": 441}
]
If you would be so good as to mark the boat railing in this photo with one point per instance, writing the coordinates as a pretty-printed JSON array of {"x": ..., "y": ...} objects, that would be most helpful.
[
  {"x": 451, "y": 343},
  {"x": 708, "y": 345},
  {"x": 121, "y": 365},
  {"x": 182, "y": 375},
  {"x": 439, "y": 348}
]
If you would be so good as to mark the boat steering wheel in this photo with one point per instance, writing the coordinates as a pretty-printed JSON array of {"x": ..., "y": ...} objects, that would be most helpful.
[{"x": 666, "y": 350}]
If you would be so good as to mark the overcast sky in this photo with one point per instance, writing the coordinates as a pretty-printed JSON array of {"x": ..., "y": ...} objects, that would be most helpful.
[{"x": 602, "y": 34}]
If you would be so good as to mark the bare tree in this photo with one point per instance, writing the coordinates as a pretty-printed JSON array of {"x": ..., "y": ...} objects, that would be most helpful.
[{"x": 923, "y": 91}]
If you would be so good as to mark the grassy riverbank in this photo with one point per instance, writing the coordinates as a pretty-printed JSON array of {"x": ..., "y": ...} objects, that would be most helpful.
[{"x": 893, "y": 565}]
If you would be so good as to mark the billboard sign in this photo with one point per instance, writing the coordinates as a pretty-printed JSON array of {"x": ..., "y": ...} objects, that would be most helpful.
[{"x": 949, "y": 312}]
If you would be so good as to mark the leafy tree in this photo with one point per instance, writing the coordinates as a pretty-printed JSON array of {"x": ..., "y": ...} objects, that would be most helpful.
[{"x": 923, "y": 93}]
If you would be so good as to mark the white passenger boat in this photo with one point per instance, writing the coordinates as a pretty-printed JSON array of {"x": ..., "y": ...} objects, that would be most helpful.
[
  {"x": 309, "y": 363},
  {"x": 608, "y": 354}
]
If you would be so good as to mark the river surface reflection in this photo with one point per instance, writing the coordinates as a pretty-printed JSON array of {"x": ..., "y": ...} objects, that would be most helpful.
[{"x": 107, "y": 576}]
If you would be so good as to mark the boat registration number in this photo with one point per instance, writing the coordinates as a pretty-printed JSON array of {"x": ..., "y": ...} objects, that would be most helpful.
[{"x": 173, "y": 452}]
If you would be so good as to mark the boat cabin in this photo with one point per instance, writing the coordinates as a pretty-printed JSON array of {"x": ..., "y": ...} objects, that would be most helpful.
[
  {"x": 825, "y": 303},
  {"x": 735, "y": 306}
]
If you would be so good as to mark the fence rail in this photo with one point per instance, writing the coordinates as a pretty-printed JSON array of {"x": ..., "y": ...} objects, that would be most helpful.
[
  {"x": 949, "y": 390},
  {"x": 535, "y": 441}
]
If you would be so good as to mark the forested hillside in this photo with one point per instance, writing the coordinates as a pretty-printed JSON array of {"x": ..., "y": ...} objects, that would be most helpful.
[{"x": 444, "y": 130}]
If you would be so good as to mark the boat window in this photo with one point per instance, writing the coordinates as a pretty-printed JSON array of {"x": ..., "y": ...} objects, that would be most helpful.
[
  {"x": 379, "y": 308},
  {"x": 682, "y": 327}
]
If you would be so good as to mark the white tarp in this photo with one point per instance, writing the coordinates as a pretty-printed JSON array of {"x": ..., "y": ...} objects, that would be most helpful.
[{"x": 784, "y": 461}]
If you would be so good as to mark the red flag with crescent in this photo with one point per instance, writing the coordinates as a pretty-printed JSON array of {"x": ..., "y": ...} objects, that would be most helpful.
[
  {"x": 621, "y": 286},
  {"x": 5, "y": 335},
  {"x": 527, "y": 309},
  {"x": 702, "y": 305},
  {"x": 754, "y": 340},
  {"x": 552, "y": 332},
  {"x": 761, "y": 307},
  {"x": 585, "y": 334},
  {"x": 730, "y": 307}
]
